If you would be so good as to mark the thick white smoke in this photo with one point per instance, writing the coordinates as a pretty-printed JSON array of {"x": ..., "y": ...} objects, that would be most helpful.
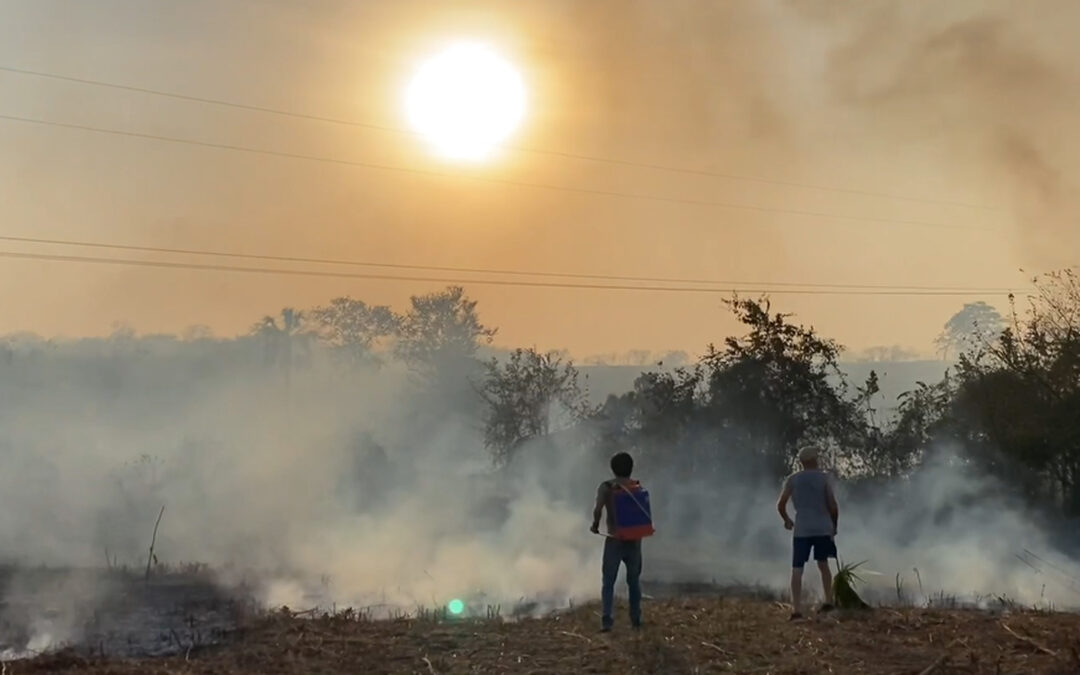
[{"x": 337, "y": 486}]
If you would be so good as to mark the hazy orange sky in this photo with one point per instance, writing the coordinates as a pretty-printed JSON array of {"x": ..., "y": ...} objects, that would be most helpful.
[{"x": 967, "y": 102}]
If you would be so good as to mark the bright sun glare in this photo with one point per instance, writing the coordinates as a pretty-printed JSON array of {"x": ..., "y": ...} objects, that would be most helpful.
[{"x": 465, "y": 101}]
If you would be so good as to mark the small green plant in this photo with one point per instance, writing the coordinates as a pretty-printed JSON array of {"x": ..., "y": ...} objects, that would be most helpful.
[{"x": 844, "y": 593}]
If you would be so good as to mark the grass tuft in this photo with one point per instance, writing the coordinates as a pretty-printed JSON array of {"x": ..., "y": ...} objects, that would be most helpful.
[{"x": 844, "y": 593}]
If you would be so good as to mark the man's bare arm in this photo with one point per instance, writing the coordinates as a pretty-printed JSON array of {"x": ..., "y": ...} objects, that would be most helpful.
[
  {"x": 781, "y": 504},
  {"x": 598, "y": 509}
]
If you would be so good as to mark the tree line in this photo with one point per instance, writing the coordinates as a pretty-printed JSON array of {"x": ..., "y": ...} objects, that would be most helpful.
[{"x": 1010, "y": 407}]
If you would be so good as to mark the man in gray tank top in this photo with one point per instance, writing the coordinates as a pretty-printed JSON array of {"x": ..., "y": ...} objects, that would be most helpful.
[{"x": 814, "y": 527}]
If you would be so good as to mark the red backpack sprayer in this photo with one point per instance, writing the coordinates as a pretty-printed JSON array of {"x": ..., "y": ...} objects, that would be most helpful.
[{"x": 631, "y": 510}]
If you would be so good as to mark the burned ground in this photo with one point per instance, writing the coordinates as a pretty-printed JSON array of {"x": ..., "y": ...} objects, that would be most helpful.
[
  {"x": 119, "y": 613},
  {"x": 685, "y": 634}
]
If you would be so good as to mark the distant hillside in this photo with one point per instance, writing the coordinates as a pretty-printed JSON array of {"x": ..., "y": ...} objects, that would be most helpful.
[{"x": 895, "y": 377}]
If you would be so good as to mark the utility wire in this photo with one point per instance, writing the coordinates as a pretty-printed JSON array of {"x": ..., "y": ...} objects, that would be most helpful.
[
  {"x": 551, "y": 153},
  {"x": 478, "y": 270},
  {"x": 487, "y": 282},
  {"x": 494, "y": 181}
]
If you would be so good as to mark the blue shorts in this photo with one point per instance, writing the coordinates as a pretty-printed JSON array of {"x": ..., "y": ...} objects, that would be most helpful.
[{"x": 824, "y": 548}]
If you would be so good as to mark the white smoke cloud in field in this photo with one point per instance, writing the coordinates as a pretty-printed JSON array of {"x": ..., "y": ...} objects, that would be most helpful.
[
  {"x": 319, "y": 474},
  {"x": 945, "y": 533},
  {"x": 336, "y": 488}
]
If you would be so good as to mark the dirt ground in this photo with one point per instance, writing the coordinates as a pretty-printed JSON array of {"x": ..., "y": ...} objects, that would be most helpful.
[{"x": 681, "y": 635}]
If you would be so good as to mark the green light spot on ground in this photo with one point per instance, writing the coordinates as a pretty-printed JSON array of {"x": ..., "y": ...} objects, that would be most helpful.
[{"x": 456, "y": 606}]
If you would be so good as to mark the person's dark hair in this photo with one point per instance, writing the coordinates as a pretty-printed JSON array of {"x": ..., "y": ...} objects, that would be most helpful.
[{"x": 622, "y": 465}]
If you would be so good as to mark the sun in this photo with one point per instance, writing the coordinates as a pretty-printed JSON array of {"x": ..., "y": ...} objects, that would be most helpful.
[{"x": 465, "y": 101}]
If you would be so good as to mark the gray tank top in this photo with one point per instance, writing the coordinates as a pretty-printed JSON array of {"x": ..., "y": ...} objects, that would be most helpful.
[{"x": 812, "y": 517}]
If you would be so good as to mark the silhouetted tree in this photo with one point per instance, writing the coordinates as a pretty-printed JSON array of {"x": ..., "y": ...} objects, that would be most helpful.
[
  {"x": 354, "y": 327},
  {"x": 898, "y": 447},
  {"x": 438, "y": 339},
  {"x": 746, "y": 407},
  {"x": 441, "y": 328},
  {"x": 975, "y": 325},
  {"x": 778, "y": 387},
  {"x": 657, "y": 417},
  {"x": 283, "y": 337},
  {"x": 529, "y": 396},
  {"x": 1017, "y": 399}
]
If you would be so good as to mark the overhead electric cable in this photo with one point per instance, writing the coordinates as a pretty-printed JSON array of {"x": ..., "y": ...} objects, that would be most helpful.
[
  {"x": 460, "y": 281},
  {"x": 477, "y": 270},
  {"x": 494, "y": 181},
  {"x": 553, "y": 153}
]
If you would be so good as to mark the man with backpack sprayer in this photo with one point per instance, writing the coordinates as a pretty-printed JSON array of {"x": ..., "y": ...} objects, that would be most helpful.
[
  {"x": 814, "y": 528},
  {"x": 629, "y": 520}
]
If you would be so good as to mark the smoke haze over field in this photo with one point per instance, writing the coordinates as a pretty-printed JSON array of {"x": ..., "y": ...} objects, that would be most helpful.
[
  {"x": 390, "y": 493},
  {"x": 881, "y": 145}
]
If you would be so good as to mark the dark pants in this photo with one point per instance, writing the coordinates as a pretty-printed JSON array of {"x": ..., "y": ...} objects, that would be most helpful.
[{"x": 618, "y": 552}]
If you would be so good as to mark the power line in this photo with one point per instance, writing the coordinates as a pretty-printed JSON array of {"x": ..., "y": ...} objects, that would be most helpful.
[
  {"x": 494, "y": 181},
  {"x": 478, "y": 270},
  {"x": 487, "y": 282},
  {"x": 536, "y": 151}
]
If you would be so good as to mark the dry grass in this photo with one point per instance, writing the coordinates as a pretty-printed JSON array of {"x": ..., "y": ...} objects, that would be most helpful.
[{"x": 682, "y": 635}]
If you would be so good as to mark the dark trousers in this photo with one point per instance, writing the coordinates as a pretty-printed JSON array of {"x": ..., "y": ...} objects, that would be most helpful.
[{"x": 618, "y": 552}]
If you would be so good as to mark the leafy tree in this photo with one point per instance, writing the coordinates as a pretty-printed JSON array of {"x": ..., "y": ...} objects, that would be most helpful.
[
  {"x": 1055, "y": 311},
  {"x": 975, "y": 325},
  {"x": 439, "y": 338},
  {"x": 865, "y": 397},
  {"x": 284, "y": 336},
  {"x": 1010, "y": 405},
  {"x": 354, "y": 327},
  {"x": 663, "y": 420},
  {"x": 1016, "y": 403},
  {"x": 659, "y": 415},
  {"x": 897, "y": 449},
  {"x": 746, "y": 407},
  {"x": 778, "y": 387},
  {"x": 440, "y": 329},
  {"x": 529, "y": 396},
  {"x": 279, "y": 331}
]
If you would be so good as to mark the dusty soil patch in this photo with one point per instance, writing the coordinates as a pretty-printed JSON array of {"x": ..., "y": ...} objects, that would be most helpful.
[{"x": 688, "y": 635}]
